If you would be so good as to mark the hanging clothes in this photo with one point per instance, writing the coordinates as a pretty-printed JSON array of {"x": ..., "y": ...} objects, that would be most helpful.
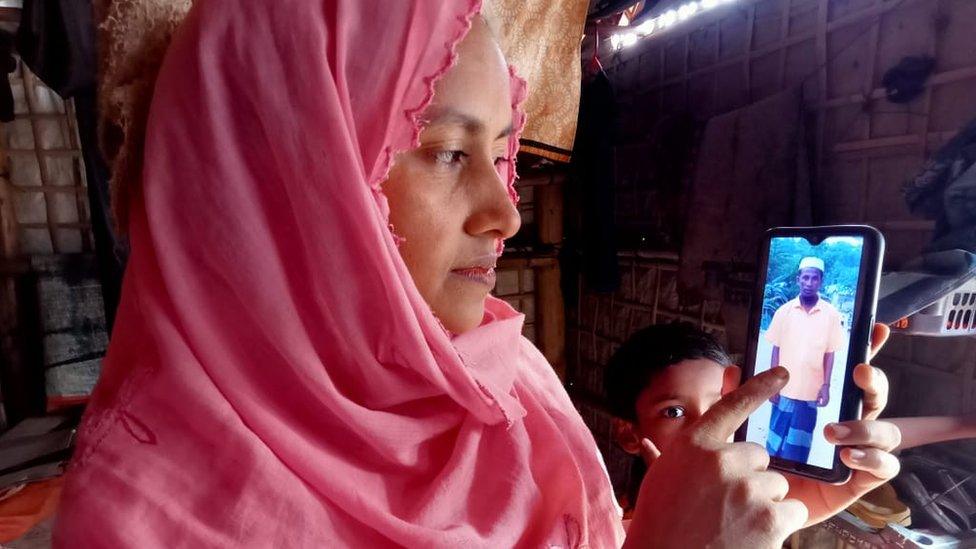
[
  {"x": 56, "y": 39},
  {"x": 945, "y": 191},
  {"x": 591, "y": 247},
  {"x": 8, "y": 64},
  {"x": 540, "y": 38}
]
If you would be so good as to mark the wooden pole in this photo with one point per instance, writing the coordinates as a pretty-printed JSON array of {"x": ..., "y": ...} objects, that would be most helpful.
[{"x": 551, "y": 323}]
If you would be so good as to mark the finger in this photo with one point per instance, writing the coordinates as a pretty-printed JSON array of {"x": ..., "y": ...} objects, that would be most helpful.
[
  {"x": 879, "y": 335},
  {"x": 874, "y": 383},
  {"x": 721, "y": 421},
  {"x": 649, "y": 451},
  {"x": 769, "y": 485},
  {"x": 882, "y": 435},
  {"x": 861, "y": 483},
  {"x": 791, "y": 515},
  {"x": 879, "y": 464},
  {"x": 747, "y": 456}
]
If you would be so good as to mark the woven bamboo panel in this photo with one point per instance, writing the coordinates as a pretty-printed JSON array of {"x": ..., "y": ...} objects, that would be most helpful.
[{"x": 43, "y": 176}]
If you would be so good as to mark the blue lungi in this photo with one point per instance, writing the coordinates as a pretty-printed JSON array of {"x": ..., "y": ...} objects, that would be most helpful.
[{"x": 791, "y": 428}]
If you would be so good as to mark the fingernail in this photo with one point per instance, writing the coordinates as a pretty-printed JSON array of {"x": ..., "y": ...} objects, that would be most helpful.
[
  {"x": 781, "y": 372},
  {"x": 839, "y": 431},
  {"x": 856, "y": 455}
]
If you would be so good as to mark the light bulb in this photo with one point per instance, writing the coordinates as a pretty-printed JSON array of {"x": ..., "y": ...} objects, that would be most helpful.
[
  {"x": 668, "y": 18},
  {"x": 615, "y": 42},
  {"x": 647, "y": 27},
  {"x": 687, "y": 10}
]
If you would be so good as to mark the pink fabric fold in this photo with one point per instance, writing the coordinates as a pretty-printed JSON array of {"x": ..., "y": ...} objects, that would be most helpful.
[{"x": 275, "y": 379}]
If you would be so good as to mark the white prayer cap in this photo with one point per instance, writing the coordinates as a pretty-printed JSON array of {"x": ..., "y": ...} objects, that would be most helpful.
[{"x": 814, "y": 262}]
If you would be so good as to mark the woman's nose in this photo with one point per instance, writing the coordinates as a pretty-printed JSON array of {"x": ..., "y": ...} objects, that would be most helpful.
[{"x": 492, "y": 211}]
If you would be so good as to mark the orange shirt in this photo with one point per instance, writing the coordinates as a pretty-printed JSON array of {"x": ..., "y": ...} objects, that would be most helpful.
[{"x": 803, "y": 338}]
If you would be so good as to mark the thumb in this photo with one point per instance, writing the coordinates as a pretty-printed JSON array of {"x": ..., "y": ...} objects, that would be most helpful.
[{"x": 649, "y": 451}]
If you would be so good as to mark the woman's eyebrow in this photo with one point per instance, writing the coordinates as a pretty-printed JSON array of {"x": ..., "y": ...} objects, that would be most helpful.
[{"x": 471, "y": 124}]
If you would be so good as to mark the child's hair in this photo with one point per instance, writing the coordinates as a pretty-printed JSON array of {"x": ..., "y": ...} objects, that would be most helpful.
[{"x": 648, "y": 352}]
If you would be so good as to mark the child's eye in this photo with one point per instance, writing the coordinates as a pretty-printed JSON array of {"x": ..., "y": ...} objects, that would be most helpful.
[
  {"x": 449, "y": 157},
  {"x": 673, "y": 412}
]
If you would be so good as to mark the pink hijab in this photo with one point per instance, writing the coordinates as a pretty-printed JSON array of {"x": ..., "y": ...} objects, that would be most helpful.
[{"x": 275, "y": 379}]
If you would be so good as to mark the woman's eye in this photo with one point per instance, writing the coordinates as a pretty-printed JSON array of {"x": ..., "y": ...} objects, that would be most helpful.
[
  {"x": 502, "y": 160},
  {"x": 673, "y": 412},
  {"x": 449, "y": 157}
]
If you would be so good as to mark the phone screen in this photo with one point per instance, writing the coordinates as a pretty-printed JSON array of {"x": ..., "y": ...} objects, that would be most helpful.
[{"x": 809, "y": 304}]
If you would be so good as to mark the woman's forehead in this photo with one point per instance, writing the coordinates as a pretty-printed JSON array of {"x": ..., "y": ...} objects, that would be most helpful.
[
  {"x": 439, "y": 115},
  {"x": 477, "y": 89}
]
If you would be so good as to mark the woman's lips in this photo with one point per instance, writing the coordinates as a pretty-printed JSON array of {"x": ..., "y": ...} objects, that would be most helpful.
[{"x": 481, "y": 275}]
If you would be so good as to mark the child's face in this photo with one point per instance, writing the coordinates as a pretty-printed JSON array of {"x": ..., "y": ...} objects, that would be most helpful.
[{"x": 674, "y": 399}]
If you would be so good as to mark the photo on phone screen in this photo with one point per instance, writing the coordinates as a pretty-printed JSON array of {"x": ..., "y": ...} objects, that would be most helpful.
[{"x": 809, "y": 305}]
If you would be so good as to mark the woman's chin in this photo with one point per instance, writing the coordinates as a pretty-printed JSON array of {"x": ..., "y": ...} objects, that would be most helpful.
[{"x": 464, "y": 313}]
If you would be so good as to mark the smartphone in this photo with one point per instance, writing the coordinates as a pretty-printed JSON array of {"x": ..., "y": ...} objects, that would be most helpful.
[{"x": 813, "y": 313}]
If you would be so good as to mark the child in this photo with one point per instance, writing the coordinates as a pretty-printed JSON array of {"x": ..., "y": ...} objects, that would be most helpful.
[
  {"x": 658, "y": 383},
  {"x": 664, "y": 377}
]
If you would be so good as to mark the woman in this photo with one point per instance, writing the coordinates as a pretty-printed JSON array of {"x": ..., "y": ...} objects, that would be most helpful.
[{"x": 305, "y": 354}]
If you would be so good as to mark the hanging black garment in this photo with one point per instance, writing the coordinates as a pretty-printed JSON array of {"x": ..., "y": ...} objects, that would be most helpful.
[
  {"x": 9, "y": 65},
  {"x": 592, "y": 172},
  {"x": 56, "y": 39},
  {"x": 945, "y": 191}
]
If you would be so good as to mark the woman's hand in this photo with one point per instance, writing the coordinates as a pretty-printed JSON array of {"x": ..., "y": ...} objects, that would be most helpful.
[
  {"x": 706, "y": 492},
  {"x": 866, "y": 443}
]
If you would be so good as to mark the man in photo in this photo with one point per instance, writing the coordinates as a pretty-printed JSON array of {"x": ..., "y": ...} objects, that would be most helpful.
[{"x": 805, "y": 333}]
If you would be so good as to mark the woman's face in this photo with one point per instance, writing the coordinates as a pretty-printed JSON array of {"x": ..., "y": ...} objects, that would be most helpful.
[{"x": 447, "y": 200}]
